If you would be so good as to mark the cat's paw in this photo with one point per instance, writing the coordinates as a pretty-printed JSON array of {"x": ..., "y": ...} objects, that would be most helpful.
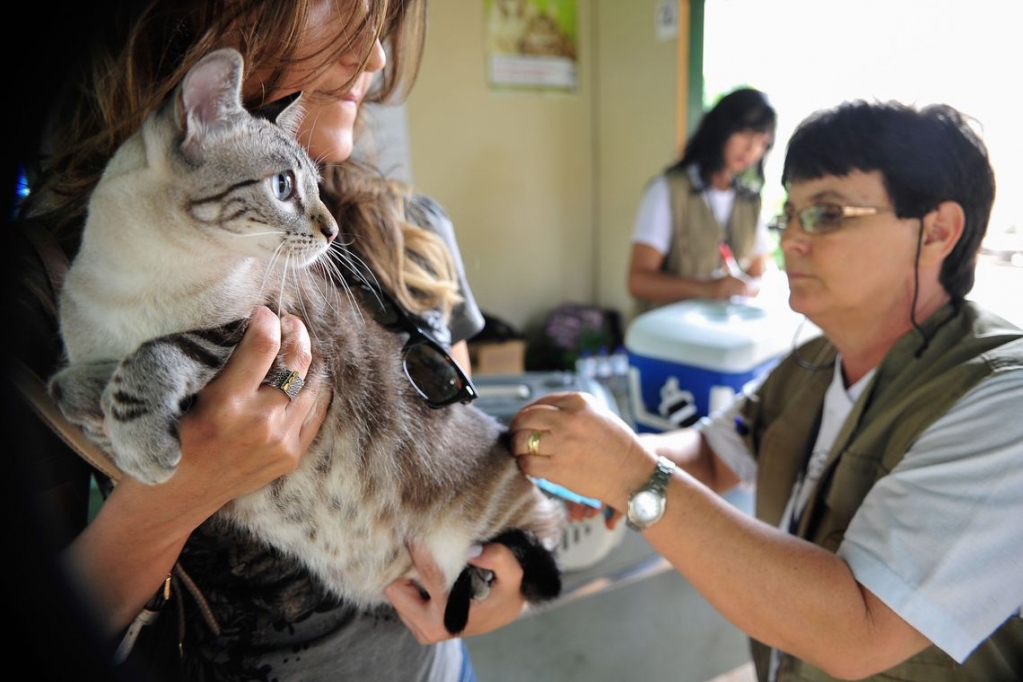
[
  {"x": 472, "y": 584},
  {"x": 105, "y": 401},
  {"x": 541, "y": 578},
  {"x": 76, "y": 391},
  {"x": 541, "y": 575},
  {"x": 142, "y": 429},
  {"x": 143, "y": 402}
]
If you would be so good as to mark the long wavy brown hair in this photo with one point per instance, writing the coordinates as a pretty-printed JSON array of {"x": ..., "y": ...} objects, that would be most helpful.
[{"x": 143, "y": 52}]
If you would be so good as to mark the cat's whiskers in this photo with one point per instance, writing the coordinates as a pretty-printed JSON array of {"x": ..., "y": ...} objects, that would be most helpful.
[
  {"x": 354, "y": 264},
  {"x": 266, "y": 291},
  {"x": 358, "y": 267},
  {"x": 322, "y": 158},
  {"x": 334, "y": 265},
  {"x": 331, "y": 280},
  {"x": 251, "y": 235},
  {"x": 306, "y": 287},
  {"x": 284, "y": 280}
]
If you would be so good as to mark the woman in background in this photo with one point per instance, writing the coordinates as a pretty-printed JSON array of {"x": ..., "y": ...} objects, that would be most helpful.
[{"x": 698, "y": 231}]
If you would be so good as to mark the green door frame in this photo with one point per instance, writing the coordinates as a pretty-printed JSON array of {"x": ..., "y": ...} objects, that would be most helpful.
[
  {"x": 694, "y": 78},
  {"x": 689, "y": 74}
]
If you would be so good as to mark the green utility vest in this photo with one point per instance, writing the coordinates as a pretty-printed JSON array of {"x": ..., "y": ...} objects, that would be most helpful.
[
  {"x": 905, "y": 396},
  {"x": 696, "y": 234}
]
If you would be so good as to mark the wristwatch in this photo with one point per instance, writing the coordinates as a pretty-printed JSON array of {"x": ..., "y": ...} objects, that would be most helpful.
[{"x": 646, "y": 505}]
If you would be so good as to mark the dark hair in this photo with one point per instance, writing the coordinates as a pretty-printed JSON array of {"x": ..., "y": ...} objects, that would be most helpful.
[
  {"x": 925, "y": 156},
  {"x": 741, "y": 109}
]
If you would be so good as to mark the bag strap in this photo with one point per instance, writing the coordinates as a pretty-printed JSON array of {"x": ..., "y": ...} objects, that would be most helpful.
[
  {"x": 32, "y": 388},
  {"x": 55, "y": 263}
]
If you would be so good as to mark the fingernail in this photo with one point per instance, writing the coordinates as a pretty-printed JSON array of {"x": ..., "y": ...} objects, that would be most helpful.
[{"x": 475, "y": 551}]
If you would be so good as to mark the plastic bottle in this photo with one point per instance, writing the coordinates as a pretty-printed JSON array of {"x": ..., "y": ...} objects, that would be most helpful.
[
  {"x": 619, "y": 364},
  {"x": 602, "y": 364},
  {"x": 619, "y": 381},
  {"x": 586, "y": 366}
]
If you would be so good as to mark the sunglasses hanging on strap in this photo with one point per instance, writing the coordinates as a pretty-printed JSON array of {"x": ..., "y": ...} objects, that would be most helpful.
[{"x": 436, "y": 376}]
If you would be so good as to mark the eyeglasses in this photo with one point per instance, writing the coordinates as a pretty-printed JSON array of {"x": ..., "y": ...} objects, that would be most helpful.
[
  {"x": 435, "y": 375},
  {"x": 823, "y": 218}
]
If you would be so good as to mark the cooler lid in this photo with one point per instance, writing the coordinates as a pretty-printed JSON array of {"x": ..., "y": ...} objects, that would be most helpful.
[{"x": 720, "y": 335}]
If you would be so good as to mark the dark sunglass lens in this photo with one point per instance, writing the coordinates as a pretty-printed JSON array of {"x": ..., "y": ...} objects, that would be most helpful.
[{"x": 432, "y": 374}]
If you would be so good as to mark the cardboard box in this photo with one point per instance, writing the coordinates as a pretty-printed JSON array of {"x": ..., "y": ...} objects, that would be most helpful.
[{"x": 498, "y": 357}]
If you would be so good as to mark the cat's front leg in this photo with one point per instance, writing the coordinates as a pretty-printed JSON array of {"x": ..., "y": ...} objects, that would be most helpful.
[
  {"x": 76, "y": 390},
  {"x": 150, "y": 391}
]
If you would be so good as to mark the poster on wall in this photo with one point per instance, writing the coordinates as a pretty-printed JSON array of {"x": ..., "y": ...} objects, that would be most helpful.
[{"x": 531, "y": 44}]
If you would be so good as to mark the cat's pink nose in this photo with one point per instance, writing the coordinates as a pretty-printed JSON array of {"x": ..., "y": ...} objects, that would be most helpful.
[{"x": 329, "y": 230}]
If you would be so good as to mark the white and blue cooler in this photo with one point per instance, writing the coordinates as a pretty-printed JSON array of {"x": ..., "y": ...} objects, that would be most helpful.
[{"x": 690, "y": 358}]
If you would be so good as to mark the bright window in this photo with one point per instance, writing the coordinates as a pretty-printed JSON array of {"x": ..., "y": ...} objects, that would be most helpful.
[{"x": 813, "y": 54}]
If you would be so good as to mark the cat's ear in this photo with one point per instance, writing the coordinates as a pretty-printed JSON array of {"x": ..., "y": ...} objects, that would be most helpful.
[
  {"x": 290, "y": 117},
  {"x": 209, "y": 98},
  {"x": 286, "y": 112}
]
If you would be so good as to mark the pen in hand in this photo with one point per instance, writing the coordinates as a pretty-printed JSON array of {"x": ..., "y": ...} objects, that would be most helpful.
[{"x": 730, "y": 263}]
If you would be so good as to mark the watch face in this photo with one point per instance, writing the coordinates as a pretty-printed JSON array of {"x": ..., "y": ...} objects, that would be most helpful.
[{"x": 646, "y": 506}]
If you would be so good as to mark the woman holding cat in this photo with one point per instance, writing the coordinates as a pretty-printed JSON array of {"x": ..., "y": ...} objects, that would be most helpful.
[{"x": 272, "y": 620}]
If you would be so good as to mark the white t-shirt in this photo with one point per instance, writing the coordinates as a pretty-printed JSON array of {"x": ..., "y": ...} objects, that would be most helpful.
[
  {"x": 653, "y": 225},
  {"x": 938, "y": 540},
  {"x": 838, "y": 403}
]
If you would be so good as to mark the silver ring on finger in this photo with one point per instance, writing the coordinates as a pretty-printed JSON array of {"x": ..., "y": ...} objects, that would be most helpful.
[{"x": 287, "y": 381}]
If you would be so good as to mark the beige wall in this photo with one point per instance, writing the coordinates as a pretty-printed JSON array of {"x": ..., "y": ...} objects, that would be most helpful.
[
  {"x": 636, "y": 111},
  {"x": 542, "y": 188}
]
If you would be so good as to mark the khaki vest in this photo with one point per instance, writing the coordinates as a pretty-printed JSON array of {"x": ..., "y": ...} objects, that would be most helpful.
[
  {"x": 904, "y": 397},
  {"x": 696, "y": 234}
]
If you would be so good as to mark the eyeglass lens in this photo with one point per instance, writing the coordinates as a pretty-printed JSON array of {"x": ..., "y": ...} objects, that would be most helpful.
[{"x": 813, "y": 219}]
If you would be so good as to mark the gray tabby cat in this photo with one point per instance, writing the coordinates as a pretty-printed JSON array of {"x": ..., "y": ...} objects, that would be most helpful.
[{"x": 197, "y": 219}]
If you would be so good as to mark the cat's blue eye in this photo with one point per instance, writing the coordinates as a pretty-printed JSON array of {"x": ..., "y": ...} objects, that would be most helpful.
[{"x": 283, "y": 185}]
